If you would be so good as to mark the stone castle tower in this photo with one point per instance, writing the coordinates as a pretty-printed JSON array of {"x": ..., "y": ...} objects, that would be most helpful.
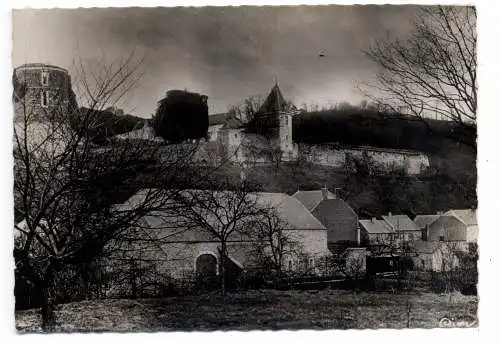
[
  {"x": 42, "y": 91},
  {"x": 276, "y": 105},
  {"x": 285, "y": 135}
]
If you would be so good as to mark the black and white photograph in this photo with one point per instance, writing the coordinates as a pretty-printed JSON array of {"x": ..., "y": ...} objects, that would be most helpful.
[{"x": 306, "y": 167}]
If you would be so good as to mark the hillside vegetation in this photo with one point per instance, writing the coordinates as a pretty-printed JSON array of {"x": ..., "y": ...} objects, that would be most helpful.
[
  {"x": 108, "y": 123},
  {"x": 450, "y": 182},
  {"x": 351, "y": 125}
]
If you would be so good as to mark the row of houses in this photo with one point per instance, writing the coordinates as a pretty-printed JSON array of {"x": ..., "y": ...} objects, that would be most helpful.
[
  {"x": 322, "y": 224},
  {"x": 318, "y": 221}
]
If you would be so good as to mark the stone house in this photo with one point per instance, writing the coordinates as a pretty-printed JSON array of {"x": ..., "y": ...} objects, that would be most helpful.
[
  {"x": 423, "y": 221},
  {"x": 403, "y": 227},
  {"x": 335, "y": 214},
  {"x": 375, "y": 232},
  {"x": 448, "y": 234},
  {"x": 455, "y": 225},
  {"x": 166, "y": 247}
]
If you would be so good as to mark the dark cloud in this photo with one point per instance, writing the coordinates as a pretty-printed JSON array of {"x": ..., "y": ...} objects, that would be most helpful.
[{"x": 226, "y": 53}]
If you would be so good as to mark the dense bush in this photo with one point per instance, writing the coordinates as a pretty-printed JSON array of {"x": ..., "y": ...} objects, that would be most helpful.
[{"x": 181, "y": 115}]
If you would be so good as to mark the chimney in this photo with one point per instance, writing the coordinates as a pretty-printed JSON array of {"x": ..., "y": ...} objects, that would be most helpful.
[
  {"x": 440, "y": 213},
  {"x": 374, "y": 219},
  {"x": 389, "y": 214}
]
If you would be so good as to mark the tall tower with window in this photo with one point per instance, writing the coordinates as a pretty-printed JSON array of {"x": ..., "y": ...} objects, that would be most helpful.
[
  {"x": 274, "y": 119},
  {"x": 42, "y": 91},
  {"x": 285, "y": 135}
]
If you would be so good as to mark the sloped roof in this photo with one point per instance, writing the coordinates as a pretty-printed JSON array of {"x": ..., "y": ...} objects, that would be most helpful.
[
  {"x": 217, "y": 119},
  {"x": 334, "y": 205},
  {"x": 311, "y": 199},
  {"x": 338, "y": 217},
  {"x": 274, "y": 102},
  {"x": 233, "y": 123},
  {"x": 423, "y": 220},
  {"x": 400, "y": 222},
  {"x": 375, "y": 226},
  {"x": 467, "y": 216},
  {"x": 291, "y": 209}
]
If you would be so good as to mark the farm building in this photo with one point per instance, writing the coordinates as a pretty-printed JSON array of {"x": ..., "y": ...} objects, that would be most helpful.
[
  {"x": 455, "y": 225},
  {"x": 164, "y": 245},
  {"x": 335, "y": 214},
  {"x": 375, "y": 232},
  {"x": 423, "y": 221},
  {"x": 403, "y": 227}
]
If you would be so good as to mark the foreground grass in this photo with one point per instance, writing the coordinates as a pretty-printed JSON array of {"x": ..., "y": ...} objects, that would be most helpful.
[{"x": 257, "y": 310}]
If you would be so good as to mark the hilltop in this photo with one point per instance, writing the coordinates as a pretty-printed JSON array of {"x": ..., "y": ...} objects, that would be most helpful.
[{"x": 450, "y": 181}]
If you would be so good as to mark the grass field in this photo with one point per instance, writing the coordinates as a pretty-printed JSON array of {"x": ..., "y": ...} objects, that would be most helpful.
[{"x": 258, "y": 310}]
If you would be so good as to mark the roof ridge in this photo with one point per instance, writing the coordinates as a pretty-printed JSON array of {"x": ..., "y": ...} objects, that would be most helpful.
[{"x": 323, "y": 227}]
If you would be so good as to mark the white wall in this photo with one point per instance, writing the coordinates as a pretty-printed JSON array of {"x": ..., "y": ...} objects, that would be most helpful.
[
  {"x": 213, "y": 132},
  {"x": 335, "y": 157}
]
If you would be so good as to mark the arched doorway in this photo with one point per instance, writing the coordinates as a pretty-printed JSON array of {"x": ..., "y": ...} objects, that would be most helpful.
[
  {"x": 206, "y": 272},
  {"x": 206, "y": 265}
]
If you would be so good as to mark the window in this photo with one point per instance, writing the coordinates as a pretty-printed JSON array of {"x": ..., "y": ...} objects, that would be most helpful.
[
  {"x": 423, "y": 264},
  {"x": 290, "y": 265},
  {"x": 45, "y": 78},
  {"x": 441, "y": 238},
  {"x": 45, "y": 98},
  {"x": 235, "y": 135}
]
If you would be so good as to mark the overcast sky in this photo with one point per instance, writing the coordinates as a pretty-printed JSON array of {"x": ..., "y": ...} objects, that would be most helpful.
[{"x": 225, "y": 53}]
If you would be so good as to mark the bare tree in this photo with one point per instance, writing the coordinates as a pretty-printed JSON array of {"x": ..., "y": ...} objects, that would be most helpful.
[
  {"x": 65, "y": 187},
  {"x": 246, "y": 110},
  {"x": 264, "y": 148},
  {"x": 348, "y": 264},
  {"x": 399, "y": 251},
  {"x": 224, "y": 212},
  {"x": 273, "y": 243},
  {"x": 433, "y": 70}
]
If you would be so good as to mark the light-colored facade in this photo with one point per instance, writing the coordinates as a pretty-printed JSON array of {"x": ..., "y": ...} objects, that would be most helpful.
[
  {"x": 375, "y": 232},
  {"x": 252, "y": 149},
  {"x": 435, "y": 256},
  {"x": 456, "y": 226},
  {"x": 335, "y": 156},
  {"x": 174, "y": 251}
]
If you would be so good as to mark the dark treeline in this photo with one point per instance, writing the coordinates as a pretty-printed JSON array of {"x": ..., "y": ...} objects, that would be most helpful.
[
  {"x": 377, "y": 194},
  {"x": 109, "y": 123},
  {"x": 357, "y": 126}
]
